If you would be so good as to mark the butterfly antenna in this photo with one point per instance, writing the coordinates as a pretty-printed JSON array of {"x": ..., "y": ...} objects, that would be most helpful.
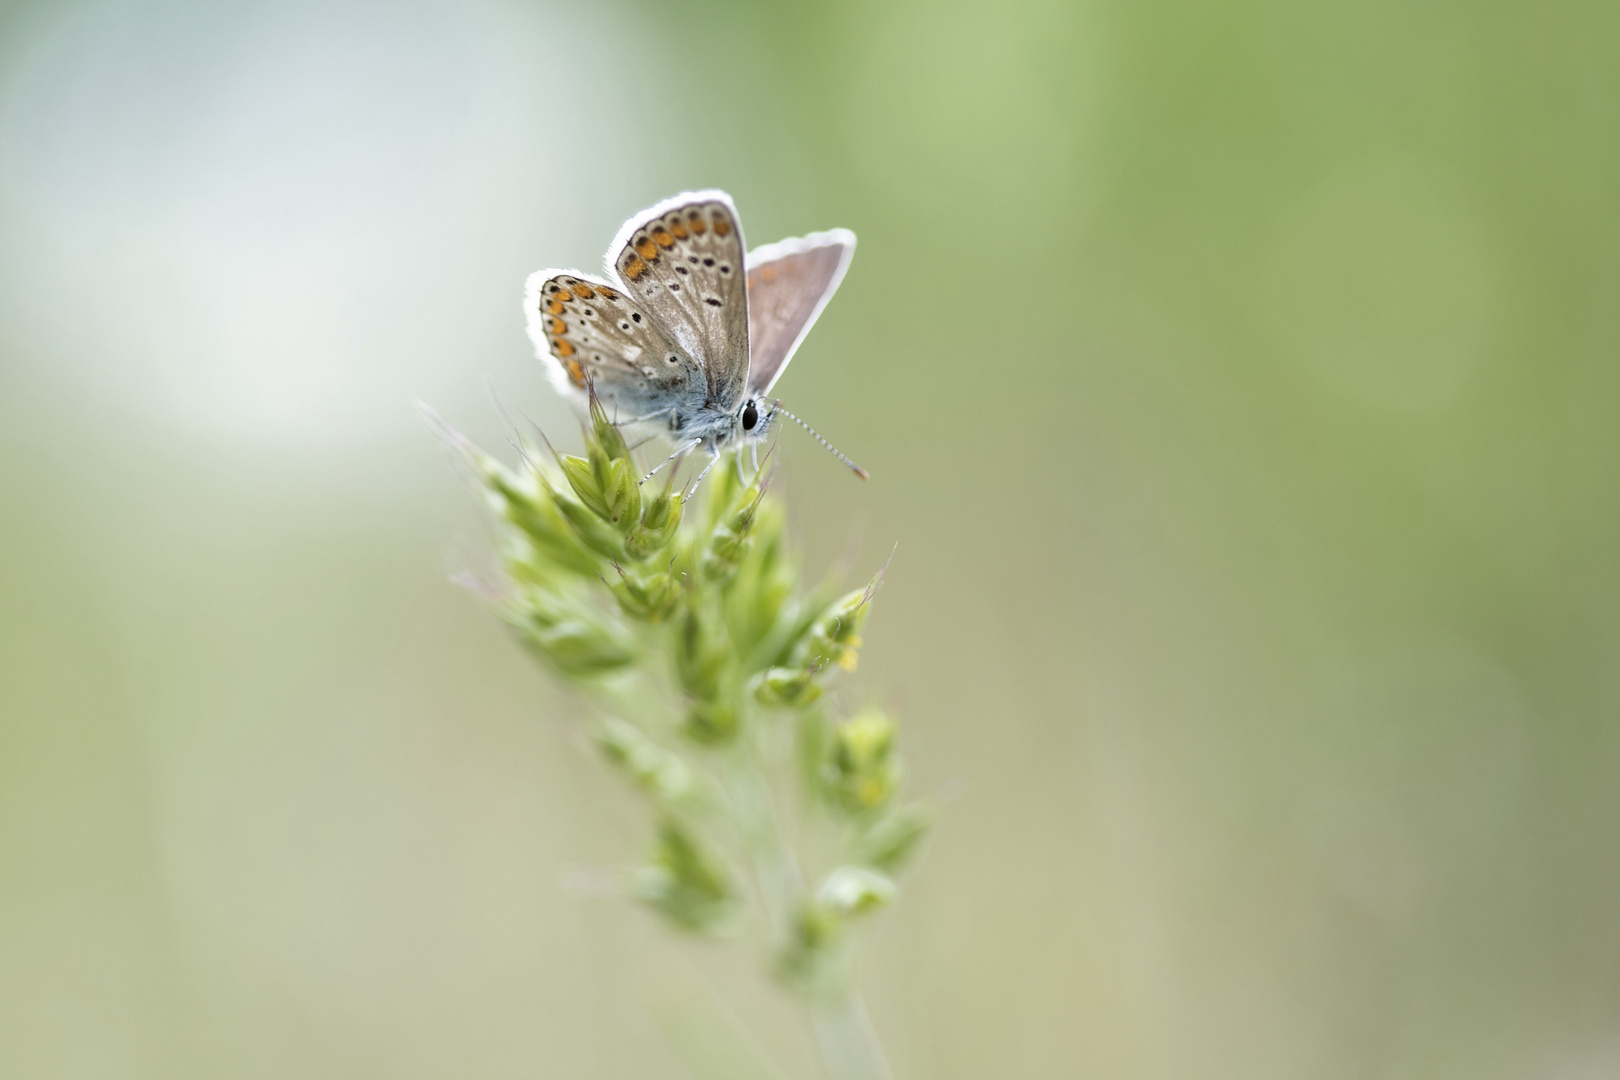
[{"x": 776, "y": 406}]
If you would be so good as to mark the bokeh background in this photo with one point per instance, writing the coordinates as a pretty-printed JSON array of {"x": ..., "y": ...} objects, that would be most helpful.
[{"x": 1239, "y": 381}]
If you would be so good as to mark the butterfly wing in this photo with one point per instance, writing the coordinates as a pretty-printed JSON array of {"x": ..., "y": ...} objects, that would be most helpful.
[
  {"x": 789, "y": 282},
  {"x": 598, "y": 333},
  {"x": 682, "y": 261}
]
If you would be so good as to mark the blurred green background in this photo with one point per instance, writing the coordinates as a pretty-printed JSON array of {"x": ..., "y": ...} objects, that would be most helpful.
[{"x": 1239, "y": 381}]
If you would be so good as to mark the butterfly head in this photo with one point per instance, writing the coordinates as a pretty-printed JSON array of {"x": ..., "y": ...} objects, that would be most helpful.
[
  {"x": 754, "y": 419},
  {"x": 765, "y": 412}
]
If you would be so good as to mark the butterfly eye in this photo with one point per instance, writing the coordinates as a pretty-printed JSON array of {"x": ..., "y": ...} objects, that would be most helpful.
[{"x": 750, "y": 416}]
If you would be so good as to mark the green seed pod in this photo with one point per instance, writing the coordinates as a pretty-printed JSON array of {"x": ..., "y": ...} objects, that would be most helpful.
[
  {"x": 854, "y": 890},
  {"x": 607, "y": 486},
  {"x": 785, "y": 688},
  {"x": 658, "y": 771},
  {"x": 582, "y": 478},
  {"x": 731, "y": 539},
  {"x": 711, "y": 723},
  {"x": 891, "y": 842},
  {"x": 604, "y": 436},
  {"x": 651, "y": 597},
  {"x": 525, "y": 500},
  {"x": 572, "y": 635},
  {"x": 563, "y": 534},
  {"x": 702, "y": 653},
  {"x": 660, "y": 520},
  {"x": 834, "y": 636},
  {"x": 577, "y": 647},
  {"x": 808, "y": 960},
  {"x": 685, "y": 883},
  {"x": 726, "y": 487},
  {"x": 605, "y": 479},
  {"x": 814, "y": 952},
  {"x": 862, "y": 769},
  {"x": 758, "y": 595},
  {"x": 588, "y": 526}
]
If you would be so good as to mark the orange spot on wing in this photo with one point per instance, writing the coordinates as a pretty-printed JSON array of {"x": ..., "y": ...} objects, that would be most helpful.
[
  {"x": 663, "y": 239},
  {"x": 564, "y": 347},
  {"x": 767, "y": 273},
  {"x": 722, "y": 227},
  {"x": 555, "y": 307},
  {"x": 583, "y": 291},
  {"x": 634, "y": 268},
  {"x": 558, "y": 327},
  {"x": 646, "y": 249},
  {"x": 576, "y": 374},
  {"x": 698, "y": 227},
  {"x": 606, "y": 293},
  {"x": 678, "y": 229}
]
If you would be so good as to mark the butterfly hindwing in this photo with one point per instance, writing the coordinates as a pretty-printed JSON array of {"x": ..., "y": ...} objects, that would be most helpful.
[
  {"x": 682, "y": 262},
  {"x": 789, "y": 282},
  {"x": 598, "y": 334}
]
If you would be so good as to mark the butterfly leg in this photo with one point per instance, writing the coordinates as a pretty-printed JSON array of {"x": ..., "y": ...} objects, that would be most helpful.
[
  {"x": 679, "y": 450},
  {"x": 753, "y": 450},
  {"x": 714, "y": 456}
]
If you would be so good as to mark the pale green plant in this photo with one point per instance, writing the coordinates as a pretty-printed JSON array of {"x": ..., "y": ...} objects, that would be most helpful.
[{"x": 774, "y": 820}]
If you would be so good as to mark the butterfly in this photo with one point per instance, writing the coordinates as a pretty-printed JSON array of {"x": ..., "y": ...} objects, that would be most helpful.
[{"x": 685, "y": 330}]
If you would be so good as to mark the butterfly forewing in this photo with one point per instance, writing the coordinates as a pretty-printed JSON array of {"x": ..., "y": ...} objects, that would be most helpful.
[
  {"x": 682, "y": 262},
  {"x": 789, "y": 282},
  {"x": 597, "y": 334}
]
